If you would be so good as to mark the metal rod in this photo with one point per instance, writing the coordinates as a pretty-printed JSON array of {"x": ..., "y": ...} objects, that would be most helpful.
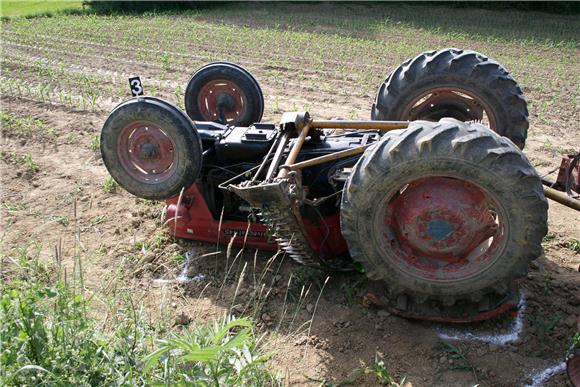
[
  {"x": 263, "y": 164},
  {"x": 296, "y": 148},
  {"x": 278, "y": 155},
  {"x": 329, "y": 157},
  {"x": 562, "y": 198},
  {"x": 363, "y": 125}
]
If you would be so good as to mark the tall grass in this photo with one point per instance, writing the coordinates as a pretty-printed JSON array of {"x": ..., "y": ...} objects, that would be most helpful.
[{"x": 48, "y": 337}]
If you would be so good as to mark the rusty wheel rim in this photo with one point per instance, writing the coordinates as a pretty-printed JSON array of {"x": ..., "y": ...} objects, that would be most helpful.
[
  {"x": 441, "y": 229},
  {"x": 462, "y": 104},
  {"x": 146, "y": 152},
  {"x": 221, "y": 94}
]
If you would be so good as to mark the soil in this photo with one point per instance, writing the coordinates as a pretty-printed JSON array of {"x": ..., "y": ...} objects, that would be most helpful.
[{"x": 64, "y": 205}]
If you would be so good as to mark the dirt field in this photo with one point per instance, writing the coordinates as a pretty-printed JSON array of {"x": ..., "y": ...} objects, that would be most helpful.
[{"x": 62, "y": 75}]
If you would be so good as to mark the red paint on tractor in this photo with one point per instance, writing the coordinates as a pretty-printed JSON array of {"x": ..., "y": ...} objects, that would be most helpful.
[
  {"x": 147, "y": 152},
  {"x": 193, "y": 220},
  {"x": 221, "y": 92},
  {"x": 438, "y": 225}
]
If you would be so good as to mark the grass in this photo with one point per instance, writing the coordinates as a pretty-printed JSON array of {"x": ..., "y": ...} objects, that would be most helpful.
[
  {"x": 349, "y": 32},
  {"x": 49, "y": 338},
  {"x": 28, "y": 8},
  {"x": 25, "y": 127}
]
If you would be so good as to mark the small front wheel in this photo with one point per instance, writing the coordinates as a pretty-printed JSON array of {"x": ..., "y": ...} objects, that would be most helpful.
[
  {"x": 224, "y": 92},
  {"x": 151, "y": 148}
]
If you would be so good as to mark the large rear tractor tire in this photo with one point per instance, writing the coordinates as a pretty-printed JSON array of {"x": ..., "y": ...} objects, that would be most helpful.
[
  {"x": 454, "y": 83},
  {"x": 444, "y": 211},
  {"x": 151, "y": 148}
]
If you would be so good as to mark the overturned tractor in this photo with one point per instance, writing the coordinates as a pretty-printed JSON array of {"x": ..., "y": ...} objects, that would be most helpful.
[{"x": 433, "y": 197}]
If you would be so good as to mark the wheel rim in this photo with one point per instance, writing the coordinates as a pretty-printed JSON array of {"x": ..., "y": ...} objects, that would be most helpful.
[
  {"x": 441, "y": 229},
  {"x": 221, "y": 94},
  {"x": 146, "y": 152},
  {"x": 464, "y": 105}
]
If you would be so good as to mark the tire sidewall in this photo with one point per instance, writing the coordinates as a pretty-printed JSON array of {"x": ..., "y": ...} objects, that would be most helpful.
[
  {"x": 239, "y": 76},
  {"x": 487, "y": 94},
  {"x": 175, "y": 124}
]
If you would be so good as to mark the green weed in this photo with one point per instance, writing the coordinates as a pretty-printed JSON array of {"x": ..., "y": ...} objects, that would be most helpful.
[
  {"x": 30, "y": 164},
  {"x": 573, "y": 244},
  {"x": 95, "y": 144},
  {"x": 458, "y": 354},
  {"x": 48, "y": 338},
  {"x": 110, "y": 185}
]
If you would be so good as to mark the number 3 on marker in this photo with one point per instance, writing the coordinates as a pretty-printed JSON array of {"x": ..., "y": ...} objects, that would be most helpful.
[{"x": 136, "y": 86}]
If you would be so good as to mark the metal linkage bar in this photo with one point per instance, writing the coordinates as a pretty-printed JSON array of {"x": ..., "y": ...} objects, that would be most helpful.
[
  {"x": 383, "y": 126},
  {"x": 296, "y": 148},
  {"x": 326, "y": 158}
]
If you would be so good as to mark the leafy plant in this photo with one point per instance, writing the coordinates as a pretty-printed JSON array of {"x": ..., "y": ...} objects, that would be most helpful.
[
  {"x": 30, "y": 164},
  {"x": 573, "y": 244},
  {"x": 110, "y": 185},
  {"x": 219, "y": 354},
  {"x": 95, "y": 143},
  {"x": 48, "y": 338}
]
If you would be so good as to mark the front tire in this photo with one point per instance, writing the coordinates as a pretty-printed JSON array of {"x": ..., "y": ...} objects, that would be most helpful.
[
  {"x": 151, "y": 148},
  {"x": 444, "y": 211}
]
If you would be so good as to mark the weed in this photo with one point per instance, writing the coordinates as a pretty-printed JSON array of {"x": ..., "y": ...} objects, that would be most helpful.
[
  {"x": 544, "y": 327},
  {"x": 13, "y": 207},
  {"x": 95, "y": 143},
  {"x": 554, "y": 150},
  {"x": 573, "y": 244},
  {"x": 30, "y": 164},
  {"x": 305, "y": 277},
  {"x": 458, "y": 355},
  {"x": 110, "y": 185},
  {"x": 276, "y": 107},
  {"x": 63, "y": 220},
  {"x": 378, "y": 369},
  {"x": 547, "y": 283},
  {"x": 176, "y": 257},
  {"x": 219, "y": 353},
  {"x": 49, "y": 339}
]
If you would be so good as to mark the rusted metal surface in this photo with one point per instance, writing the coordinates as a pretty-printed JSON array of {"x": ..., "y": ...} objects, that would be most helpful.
[
  {"x": 146, "y": 152},
  {"x": 327, "y": 158},
  {"x": 562, "y": 198},
  {"x": 221, "y": 100},
  {"x": 573, "y": 367},
  {"x": 456, "y": 314},
  {"x": 442, "y": 229},
  {"x": 383, "y": 126},
  {"x": 569, "y": 175},
  {"x": 464, "y": 105},
  {"x": 296, "y": 148}
]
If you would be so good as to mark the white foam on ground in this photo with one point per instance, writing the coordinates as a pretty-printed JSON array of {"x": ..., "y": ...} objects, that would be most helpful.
[
  {"x": 512, "y": 335},
  {"x": 539, "y": 378},
  {"x": 183, "y": 277}
]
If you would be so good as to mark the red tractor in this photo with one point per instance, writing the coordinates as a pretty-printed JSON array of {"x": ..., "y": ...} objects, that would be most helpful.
[{"x": 433, "y": 197}]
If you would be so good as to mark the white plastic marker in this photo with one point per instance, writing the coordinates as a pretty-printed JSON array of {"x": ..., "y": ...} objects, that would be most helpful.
[
  {"x": 539, "y": 378},
  {"x": 512, "y": 335},
  {"x": 183, "y": 277}
]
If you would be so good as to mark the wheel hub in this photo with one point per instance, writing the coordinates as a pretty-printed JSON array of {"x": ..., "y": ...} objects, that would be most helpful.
[
  {"x": 146, "y": 152},
  {"x": 440, "y": 225},
  {"x": 435, "y": 104},
  {"x": 221, "y": 99}
]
